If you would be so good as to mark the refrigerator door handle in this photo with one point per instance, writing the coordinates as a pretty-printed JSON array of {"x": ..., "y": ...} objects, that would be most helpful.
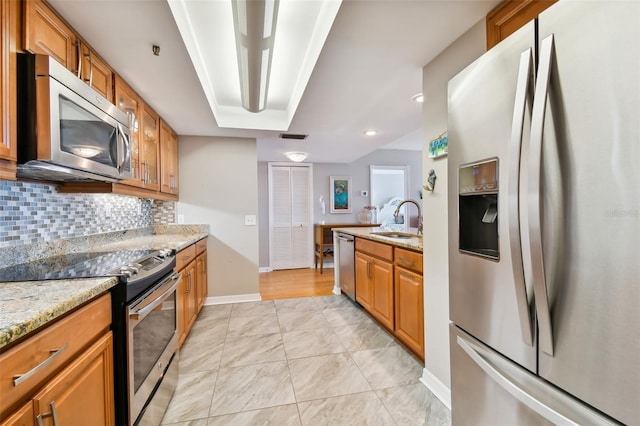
[
  {"x": 507, "y": 380},
  {"x": 522, "y": 98},
  {"x": 547, "y": 52}
]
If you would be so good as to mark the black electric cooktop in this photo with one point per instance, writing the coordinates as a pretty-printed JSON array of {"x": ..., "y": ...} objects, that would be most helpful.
[{"x": 73, "y": 265}]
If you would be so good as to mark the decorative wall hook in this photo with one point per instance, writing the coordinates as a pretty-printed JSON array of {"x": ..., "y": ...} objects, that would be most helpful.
[{"x": 431, "y": 181}]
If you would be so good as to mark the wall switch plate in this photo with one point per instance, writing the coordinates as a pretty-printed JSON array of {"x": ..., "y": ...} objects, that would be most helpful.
[
  {"x": 250, "y": 220},
  {"x": 364, "y": 193},
  {"x": 180, "y": 219}
]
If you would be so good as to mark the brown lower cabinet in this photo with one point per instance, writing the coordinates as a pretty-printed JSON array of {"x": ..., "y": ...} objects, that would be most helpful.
[
  {"x": 191, "y": 264},
  {"x": 376, "y": 282},
  {"x": 409, "y": 309},
  {"x": 389, "y": 286},
  {"x": 75, "y": 385}
]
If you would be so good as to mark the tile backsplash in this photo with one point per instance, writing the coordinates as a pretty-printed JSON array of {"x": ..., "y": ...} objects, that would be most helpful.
[{"x": 31, "y": 213}]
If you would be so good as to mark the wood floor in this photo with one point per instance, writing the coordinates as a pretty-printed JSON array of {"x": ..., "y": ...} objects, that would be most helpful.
[{"x": 289, "y": 283}]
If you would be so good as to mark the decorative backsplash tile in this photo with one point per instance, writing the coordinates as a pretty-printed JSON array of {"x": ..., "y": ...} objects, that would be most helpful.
[
  {"x": 164, "y": 212},
  {"x": 31, "y": 213}
]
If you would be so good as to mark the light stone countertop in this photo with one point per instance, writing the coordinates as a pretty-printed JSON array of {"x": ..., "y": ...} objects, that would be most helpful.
[
  {"x": 414, "y": 243},
  {"x": 27, "y": 306}
]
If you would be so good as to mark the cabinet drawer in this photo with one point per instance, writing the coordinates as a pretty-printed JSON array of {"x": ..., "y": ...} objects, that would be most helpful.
[
  {"x": 184, "y": 257},
  {"x": 383, "y": 251},
  {"x": 201, "y": 246},
  {"x": 408, "y": 259},
  {"x": 41, "y": 355}
]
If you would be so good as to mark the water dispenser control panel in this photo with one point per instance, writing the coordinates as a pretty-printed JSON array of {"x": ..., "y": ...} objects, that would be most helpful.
[{"x": 479, "y": 177}]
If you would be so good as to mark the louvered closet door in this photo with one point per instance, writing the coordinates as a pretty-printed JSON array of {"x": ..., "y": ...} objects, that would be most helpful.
[
  {"x": 290, "y": 217},
  {"x": 300, "y": 217}
]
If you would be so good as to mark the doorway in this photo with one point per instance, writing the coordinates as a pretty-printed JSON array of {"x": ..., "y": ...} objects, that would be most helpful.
[
  {"x": 290, "y": 216},
  {"x": 389, "y": 185}
]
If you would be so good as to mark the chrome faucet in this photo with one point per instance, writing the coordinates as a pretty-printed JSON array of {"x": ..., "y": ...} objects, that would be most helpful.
[{"x": 395, "y": 214}]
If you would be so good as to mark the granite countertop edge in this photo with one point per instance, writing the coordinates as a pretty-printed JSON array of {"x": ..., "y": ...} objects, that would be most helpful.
[
  {"x": 415, "y": 244},
  {"x": 28, "y": 306}
]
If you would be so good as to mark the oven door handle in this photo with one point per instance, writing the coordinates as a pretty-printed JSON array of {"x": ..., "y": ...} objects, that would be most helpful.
[{"x": 173, "y": 281}]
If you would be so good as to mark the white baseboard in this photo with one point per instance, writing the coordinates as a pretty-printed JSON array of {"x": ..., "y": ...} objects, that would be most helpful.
[
  {"x": 264, "y": 269},
  {"x": 439, "y": 389},
  {"x": 239, "y": 298}
]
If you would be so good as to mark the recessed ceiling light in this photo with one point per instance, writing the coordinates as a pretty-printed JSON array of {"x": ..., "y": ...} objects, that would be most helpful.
[
  {"x": 418, "y": 98},
  {"x": 371, "y": 132}
]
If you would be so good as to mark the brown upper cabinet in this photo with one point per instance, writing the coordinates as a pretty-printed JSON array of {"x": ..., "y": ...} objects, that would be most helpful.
[
  {"x": 150, "y": 148},
  {"x": 168, "y": 159},
  {"x": 128, "y": 101},
  {"x": 510, "y": 15},
  {"x": 46, "y": 33},
  {"x": 95, "y": 72},
  {"x": 9, "y": 35}
]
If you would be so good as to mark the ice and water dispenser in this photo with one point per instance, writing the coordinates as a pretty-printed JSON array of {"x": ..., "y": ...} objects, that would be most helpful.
[{"x": 478, "y": 209}]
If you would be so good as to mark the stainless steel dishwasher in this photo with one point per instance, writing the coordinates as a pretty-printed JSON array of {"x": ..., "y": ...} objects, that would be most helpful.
[{"x": 346, "y": 265}]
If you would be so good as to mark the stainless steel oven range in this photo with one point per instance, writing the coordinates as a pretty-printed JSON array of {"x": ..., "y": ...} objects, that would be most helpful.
[
  {"x": 145, "y": 338},
  {"x": 144, "y": 322}
]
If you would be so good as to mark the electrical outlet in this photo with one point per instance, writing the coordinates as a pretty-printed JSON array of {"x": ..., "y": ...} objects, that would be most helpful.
[
  {"x": 180, "y": 219},
  {"x": 250, "y": 220},
  {"x": 107, "y": 211}
]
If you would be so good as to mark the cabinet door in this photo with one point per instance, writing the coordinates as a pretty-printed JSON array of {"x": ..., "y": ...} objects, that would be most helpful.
[
  {"x": 24, "y": 416},
  {"x": 150, "y": 148},
  {"x": 190, "y": 301},
  {"x": 83, "y": 392},
  {"x": 96, "y": 73},
  {"x": 46, "y": 33},
  {"x": 202, "y": 288},
  {"x": 410, "y": 310},
  {"x": 383, "y": 292},
  {"x": 364, "y": 295},
  {"x": 128, "y": 101},
  {"x": 8, "y": 97},
  {"x": 168, "y": 159}
]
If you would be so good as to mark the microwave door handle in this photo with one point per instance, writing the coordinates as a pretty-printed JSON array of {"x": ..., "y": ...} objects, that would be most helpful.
[{"x": 123, "y": 148}]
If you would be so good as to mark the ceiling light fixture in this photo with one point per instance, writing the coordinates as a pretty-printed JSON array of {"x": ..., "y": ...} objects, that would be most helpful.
[
  {"x": 418, "y": 98},
  {"x": 296, "y": 156},
  {"x": 370, "y": 132},
  {"x": 254, "y": 23}
]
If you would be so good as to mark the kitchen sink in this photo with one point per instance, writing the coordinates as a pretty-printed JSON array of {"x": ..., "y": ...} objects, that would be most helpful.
[{"x": 394, "y": 234}]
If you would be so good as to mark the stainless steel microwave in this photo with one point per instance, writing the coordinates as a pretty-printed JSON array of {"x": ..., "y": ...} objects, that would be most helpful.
[{"x": 66, "y": 130}]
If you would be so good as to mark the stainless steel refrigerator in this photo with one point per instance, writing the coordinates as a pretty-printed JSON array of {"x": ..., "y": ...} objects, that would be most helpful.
[{"x": 544, "y": 222}]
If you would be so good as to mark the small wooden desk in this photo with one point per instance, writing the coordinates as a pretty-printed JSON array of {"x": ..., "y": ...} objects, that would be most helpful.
[{"x": 323, "y": 239}]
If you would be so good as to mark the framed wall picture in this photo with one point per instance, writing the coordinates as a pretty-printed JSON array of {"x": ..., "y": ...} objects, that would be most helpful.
[
  {"x": 340, "y": 188},
  {"x": 439, "y": 146}
]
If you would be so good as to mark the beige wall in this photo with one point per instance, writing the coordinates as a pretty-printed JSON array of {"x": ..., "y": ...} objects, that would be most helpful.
[
  {"x": 436, "y": 276},
  {"x": 218, "y": 187}
]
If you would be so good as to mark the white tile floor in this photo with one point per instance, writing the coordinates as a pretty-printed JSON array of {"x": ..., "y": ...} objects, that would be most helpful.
[{"x": 309, "y": 361}]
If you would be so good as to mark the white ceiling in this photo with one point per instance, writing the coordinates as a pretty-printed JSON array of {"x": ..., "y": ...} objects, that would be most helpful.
[{"x": 370, "y": 66}]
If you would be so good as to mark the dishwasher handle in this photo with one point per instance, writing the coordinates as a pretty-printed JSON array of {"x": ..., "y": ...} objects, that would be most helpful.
[{"x": 344, "y": 238}]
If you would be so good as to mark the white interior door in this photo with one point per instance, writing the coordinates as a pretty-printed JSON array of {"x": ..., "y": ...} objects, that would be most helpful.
[{"x": 290, "y": 217}]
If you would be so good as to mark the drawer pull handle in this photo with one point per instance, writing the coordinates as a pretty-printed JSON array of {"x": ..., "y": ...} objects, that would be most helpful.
[
  {"x": 19, "y": 378},
  {"x": 407, "y": 276},
  {"x": 51, "y": 414},
  {"x": 405, "y": 260}
]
